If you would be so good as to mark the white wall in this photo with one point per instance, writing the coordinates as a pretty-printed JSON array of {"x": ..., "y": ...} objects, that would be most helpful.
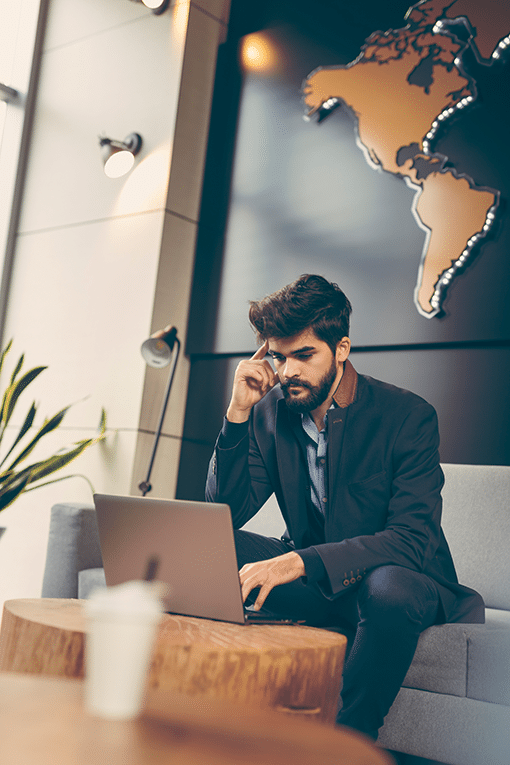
[{"x": 101, "y": 263}]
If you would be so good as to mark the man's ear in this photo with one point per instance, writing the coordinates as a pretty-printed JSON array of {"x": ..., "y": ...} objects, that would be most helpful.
[{"x": 343, "y": 349}]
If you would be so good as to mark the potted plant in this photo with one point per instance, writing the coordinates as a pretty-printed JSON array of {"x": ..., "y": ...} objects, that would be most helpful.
[{"x": 16, "y": 476}]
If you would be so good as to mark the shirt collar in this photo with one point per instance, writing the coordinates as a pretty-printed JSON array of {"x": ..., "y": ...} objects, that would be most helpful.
[
  {"x": 343, "y": 397},
  {"x": 311, "y": 428}
]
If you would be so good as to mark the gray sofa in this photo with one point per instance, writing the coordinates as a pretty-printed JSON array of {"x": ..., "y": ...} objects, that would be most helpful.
[
  {"x": 73, "y": 559},
  {"x": 454, "y": 706}
]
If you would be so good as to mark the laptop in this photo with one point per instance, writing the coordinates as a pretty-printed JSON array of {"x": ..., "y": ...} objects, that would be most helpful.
[{"x": 187, "y": 545}]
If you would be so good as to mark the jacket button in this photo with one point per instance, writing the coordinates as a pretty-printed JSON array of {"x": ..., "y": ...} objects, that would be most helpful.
[{"x": 347, "y": 582}]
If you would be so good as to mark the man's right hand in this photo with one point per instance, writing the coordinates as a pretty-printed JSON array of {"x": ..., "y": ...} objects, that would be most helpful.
[{"x": 253, "y": 379}]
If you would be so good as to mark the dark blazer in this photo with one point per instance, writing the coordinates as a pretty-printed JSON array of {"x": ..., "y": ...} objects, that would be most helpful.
[{"x": 384, "y": 498}]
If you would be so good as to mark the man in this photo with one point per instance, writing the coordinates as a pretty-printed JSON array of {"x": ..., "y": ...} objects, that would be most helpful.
[{"x": 354, "y": 465}]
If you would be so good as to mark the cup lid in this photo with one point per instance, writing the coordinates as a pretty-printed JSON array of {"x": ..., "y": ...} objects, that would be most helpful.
[{"x": 136, "y": 597}]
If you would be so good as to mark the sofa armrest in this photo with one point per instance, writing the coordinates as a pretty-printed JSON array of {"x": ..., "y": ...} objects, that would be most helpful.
[{"x": 73, "y": 545}]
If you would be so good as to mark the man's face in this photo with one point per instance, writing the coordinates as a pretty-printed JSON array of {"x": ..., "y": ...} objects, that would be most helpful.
[{"x": 308, "y": 370}]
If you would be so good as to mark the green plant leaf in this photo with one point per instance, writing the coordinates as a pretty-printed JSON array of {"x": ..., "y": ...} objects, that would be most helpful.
[
  {"x": 13, "y": 484},
  {"x": 46, "y": 428},
  {"x": 17, "y": 368},
  {"x": 13, "y": 481},
  {"x": 29, "y": 419},
  {"x": 102, "y": 425},
  {"x": 13, "y": 393},
  {"x": 4, "y": 353},
  {"x": 45, "y": 467},
  {"x": 57, "y": 461},
  {"x": 63, "y": 478},
  {"x": 2, "y": 359},
  {"x": 12, "y": 491}
]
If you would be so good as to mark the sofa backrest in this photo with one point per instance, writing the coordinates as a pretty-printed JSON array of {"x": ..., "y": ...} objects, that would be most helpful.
[
  {"x": 476, "y": 522},
  {"x": 73, "y": 545}
]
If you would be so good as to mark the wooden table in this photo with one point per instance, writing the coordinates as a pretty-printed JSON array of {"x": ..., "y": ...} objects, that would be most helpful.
[
  {"x": 293, "y": 669},
  {"x": 42, "y": 722}
]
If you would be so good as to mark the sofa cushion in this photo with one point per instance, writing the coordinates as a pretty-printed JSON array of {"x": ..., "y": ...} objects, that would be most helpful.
[
  {"x": 90, "y": 579},
  {"x": 465, "y": 660},
  {"x": 489, "y": 658},
  {"x": 447, "y": 729},
  {"x": 440, "y": 661},
  {"x": 476, "y": 522}
]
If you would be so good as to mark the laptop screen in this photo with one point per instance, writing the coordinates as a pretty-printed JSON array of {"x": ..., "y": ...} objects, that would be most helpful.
[{"x": 191, "y": 543}]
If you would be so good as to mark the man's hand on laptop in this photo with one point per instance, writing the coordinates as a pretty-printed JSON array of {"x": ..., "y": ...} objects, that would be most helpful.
[{"x": 267, "y": 574}]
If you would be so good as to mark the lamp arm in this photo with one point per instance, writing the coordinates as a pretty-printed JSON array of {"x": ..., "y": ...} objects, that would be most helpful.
[{"x": 145, "y": 486}]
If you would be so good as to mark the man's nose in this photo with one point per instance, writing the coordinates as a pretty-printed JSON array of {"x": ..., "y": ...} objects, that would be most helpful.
[{"x": 291, "y": 369}]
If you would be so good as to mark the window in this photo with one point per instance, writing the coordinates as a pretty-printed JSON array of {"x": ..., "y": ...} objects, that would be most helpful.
[{"x": 20, "y": 27}]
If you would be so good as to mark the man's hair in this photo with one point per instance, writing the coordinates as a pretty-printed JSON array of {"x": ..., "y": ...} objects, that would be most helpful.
[{"x": 311, "y": 302}]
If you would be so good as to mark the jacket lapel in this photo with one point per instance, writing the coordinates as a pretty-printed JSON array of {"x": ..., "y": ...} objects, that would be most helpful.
[{"x": 337, "y": 420}]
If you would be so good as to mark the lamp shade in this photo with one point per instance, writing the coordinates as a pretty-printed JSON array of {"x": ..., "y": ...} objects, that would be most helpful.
[
  {"x": 157, "y": 6},
  {"x": 119, "y": 156},
  {"x": 118, "y": 163},
  {"x": 157, "y": 349}
]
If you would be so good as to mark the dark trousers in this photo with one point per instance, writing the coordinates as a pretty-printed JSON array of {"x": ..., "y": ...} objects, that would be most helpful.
[{"x": 382, "y": 617}]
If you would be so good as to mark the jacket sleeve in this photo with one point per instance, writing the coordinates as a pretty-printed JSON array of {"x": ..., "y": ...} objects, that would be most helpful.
[
  {"x": 412, "y": 531},
  {"x": 237, "y": 475}
]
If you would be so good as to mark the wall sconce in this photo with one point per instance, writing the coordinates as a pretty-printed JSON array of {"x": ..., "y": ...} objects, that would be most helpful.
[
  {"x": 157, "y": 352},
  {"x": 156, "y": 6},
  {"x": 119, "y": 156},
  {"x": 8, "y": 94}
]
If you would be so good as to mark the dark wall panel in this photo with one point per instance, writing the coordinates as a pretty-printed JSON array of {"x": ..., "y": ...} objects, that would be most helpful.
[
  {"x": 467, "y": 386},
  {"x": 283, "y": 197}
]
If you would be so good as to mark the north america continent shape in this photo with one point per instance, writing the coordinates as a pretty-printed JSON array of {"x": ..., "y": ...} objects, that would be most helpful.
[{"x": 402, "y": 89}]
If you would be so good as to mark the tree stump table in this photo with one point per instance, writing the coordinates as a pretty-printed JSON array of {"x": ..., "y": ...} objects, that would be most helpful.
[{"x": 291, "y": 668}]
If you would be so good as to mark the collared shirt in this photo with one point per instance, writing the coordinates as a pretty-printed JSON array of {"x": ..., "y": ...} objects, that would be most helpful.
[{"x": 316, "y": 455}]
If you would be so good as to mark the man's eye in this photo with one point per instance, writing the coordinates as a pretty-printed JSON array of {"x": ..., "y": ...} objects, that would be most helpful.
[{"x": 303, "y": 356}]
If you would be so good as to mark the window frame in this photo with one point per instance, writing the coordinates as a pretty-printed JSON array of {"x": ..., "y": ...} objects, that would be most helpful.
[{"x": 17, "y": 98}]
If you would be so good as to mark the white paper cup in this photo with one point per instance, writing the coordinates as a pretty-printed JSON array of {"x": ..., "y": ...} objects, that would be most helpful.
[{"x": 121, "y": 626}]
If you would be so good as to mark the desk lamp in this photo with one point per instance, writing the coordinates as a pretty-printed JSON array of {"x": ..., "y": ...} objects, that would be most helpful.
[{"x": 158, "y": 351}]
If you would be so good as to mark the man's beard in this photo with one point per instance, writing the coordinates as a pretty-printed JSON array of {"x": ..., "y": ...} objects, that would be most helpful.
[{"x": 317, "y": 393}]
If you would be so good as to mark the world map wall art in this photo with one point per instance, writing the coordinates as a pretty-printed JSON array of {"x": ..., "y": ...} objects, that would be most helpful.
[{"x": 404, "y": 89}]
